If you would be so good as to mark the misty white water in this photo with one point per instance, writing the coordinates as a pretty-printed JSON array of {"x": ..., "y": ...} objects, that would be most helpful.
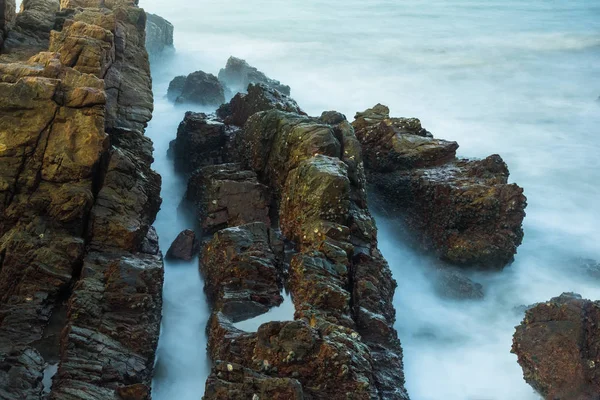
[{"x": 516, "y": 78}]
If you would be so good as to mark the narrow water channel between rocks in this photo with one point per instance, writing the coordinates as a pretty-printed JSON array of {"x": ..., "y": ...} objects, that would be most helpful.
[{"x": 502, "y": 76}]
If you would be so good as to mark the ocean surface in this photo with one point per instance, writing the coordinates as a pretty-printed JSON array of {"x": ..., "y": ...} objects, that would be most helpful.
[{"x": 521, "y": 79}]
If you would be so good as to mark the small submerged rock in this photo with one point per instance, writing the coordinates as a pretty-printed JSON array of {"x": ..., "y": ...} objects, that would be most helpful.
[
  {"x": 558, "y": 347},
  {"x": 185, "y": 246},
  {"x": 454, "y": 284}
]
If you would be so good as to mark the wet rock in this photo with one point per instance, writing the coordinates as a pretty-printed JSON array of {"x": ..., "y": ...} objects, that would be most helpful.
[
  {"x": 227, "y": 196},
  {"x": 201, "y": 141},
  {"x": 463, "y": 211},
  {"x": 238, "y": 74},
  {"x": 150, "y": 243},
  {"x": 242, "y": 271},
  {"x": 558, "y": 347},
  {"x": 398, "y": 143},
  {"x": 185, "y": 246},
  {"x": 159, "y": 36},
  {"x": 454, "y": 284},
  {"x": 199, "y": 88},
  {"x": 230, "y": 381},
  {"x": 21, "y": 374},
  {"x": 259, "y": 97}
]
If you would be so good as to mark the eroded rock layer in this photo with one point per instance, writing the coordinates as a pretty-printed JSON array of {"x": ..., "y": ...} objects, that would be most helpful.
[
  {"x": 77, "y": 200},
  {"x": 463, "y": 211}
]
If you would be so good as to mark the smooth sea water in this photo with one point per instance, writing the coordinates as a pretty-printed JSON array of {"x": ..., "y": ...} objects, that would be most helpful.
[{"x": 516, "y": 78}]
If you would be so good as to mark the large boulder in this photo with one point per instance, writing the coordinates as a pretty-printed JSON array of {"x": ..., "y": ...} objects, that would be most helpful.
[
  {"x": 463, "y": 211},
  {"x": 159, "y": 36},
  {"x": 225, "y": 196},
  {"x": 238, "y": 74},
  {"x": 185, "y": 246},
  {"x": 242, "y": 271},
  {"x": 558, "y": 347},
  {"x": 201, "y": 141},
  {"x": 260, "y": 97},
  {"x": 198, "y": 88}
]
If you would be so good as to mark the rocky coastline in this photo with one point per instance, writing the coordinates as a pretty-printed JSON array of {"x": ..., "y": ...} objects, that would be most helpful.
[{"x": 282, "y": 208}]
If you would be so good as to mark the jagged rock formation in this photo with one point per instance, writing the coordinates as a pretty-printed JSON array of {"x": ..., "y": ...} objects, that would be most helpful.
[
  {"x": 260, "y": 97},
  {"x": 159, "y": 36},
  {"x": 201, "y": 140},
  {"x": 77, "y": 199},
  {"x": 558, "y": 347},
  {"x": 30, "y": 33},
  {"x": 238, "y": 74},
  {"x": 464, "y": 211},
  {"x": 342, "y": 342},
  {"x": 197, "y": 88}
]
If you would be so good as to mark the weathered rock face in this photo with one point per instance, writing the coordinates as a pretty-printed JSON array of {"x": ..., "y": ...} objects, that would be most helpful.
[
  {"x": 7, "y": 18},
  {"x": 260, "y": 97},
  {"x": 201, "y": 141},
  {"x": 198, "y": 88},
  {"x": 185, "y": 246},
  {"x": 238, "y": 74},
  {"x": 159, "y": 36},
  {"x": 225, "y": 195},
  {"x": 242, "y": 268},
  {"x": 31, "y": 30},
  {"x": 558, "y": 347},
  {"x": 463, "y": 211},
  {"x": 78, "y": 198}
]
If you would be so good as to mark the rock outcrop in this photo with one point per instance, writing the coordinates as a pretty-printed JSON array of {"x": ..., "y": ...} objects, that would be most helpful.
[
  {"x": 30, "y": 32},
  {"x": 463, "y": 211},
  {"x": 197, "y": 88},
  {"x": 238, "y": 74},
  {"x": 558, "y": 347},
  {"x": 342, "y": 342},
  {"x": 159, "y": 36},
  {"x": 77, "y": 199},
  {"x": 259, "y": 97}
]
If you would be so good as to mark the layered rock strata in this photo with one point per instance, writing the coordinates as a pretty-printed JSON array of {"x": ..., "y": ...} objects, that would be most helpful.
[
  {"x": 558, "y": 347},
  {"x": 463, "y": 211},
  {"x": 77, "y": 199},
  {"x": 342, "y": 343}
]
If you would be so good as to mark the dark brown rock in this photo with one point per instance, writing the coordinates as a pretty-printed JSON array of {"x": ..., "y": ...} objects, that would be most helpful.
[
  {"x": 237, "y": 75},
  {"x": 201, "y": 140},
  {"x": 259, "y": 97},
  {"x": 463, "y": 211},
  {"x": 199, "y": 88},
  {"x": 185, "y": 246},
  {"x": 226, "y": 196},
  {"x": 558, "y": 347},
  {"x": 242, "y": 270}
]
